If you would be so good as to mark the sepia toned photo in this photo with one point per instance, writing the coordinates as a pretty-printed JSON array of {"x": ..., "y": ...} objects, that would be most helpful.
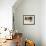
[{"x": 29, "y": 19}]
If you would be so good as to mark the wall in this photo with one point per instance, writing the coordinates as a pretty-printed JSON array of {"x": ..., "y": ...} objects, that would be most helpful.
[
  {"x": 43, "y": 22},
  {"x": 6, "y": 13},
  {"x": 29, "y": 7}
]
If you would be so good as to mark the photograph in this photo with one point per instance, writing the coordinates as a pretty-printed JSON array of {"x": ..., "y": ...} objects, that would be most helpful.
[{"x": 28, "y": 19}]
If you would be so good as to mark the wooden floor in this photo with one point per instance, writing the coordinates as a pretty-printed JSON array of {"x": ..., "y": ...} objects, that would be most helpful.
[{"x": 9, "y": 43}]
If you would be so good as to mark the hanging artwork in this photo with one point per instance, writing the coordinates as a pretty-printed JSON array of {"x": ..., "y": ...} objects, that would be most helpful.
[{"x": 28, "y": 19}]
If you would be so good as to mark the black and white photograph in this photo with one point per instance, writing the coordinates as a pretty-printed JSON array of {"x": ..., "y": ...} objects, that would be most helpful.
[{"x": 29, "y": 19}]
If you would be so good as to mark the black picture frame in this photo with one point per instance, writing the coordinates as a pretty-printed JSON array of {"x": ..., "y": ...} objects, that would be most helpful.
[{"x": 28, "y": 19}]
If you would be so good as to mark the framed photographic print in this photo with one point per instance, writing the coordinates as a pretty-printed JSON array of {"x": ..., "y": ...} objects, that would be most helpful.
[{"x": 28, "y": 19}]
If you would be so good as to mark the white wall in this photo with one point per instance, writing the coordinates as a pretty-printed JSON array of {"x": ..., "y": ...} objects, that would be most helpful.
[
  {"x": 43, "y": 22},
  {"x": 41, "y": 19},
  {"x": 29, "y": 7},
  {"x": 6, "y": 13}
]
